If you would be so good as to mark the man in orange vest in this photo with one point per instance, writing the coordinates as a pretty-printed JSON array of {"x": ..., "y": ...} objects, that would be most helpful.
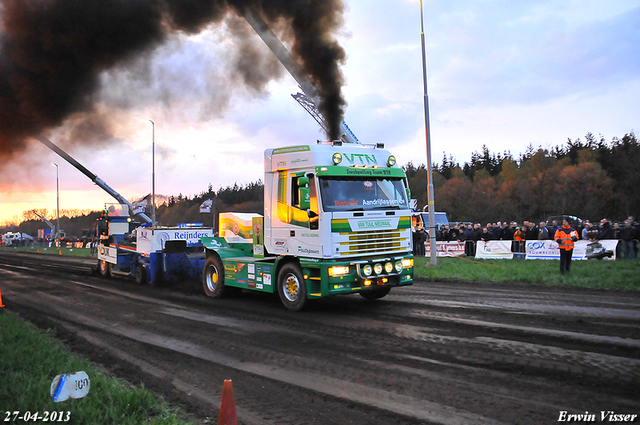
[
  {"x": 565, "y": 236},
  {"x": 519, "y": 236}
]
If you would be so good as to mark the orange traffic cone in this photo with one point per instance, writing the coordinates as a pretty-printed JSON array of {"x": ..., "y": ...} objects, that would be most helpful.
[
  {"x": 60, "y": 252},
  {"x": 1, "y": 305},
  {"x": 227, "y": 415},
  {"x": 38, "y": 250}
]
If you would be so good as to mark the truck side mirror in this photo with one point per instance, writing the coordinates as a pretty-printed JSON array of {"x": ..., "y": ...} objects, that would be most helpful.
[
  {"x": 304, "y": 195},
  {"x": 305, "y": 198}
]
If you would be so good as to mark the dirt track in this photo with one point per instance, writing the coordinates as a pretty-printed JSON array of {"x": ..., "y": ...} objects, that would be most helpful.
[{"x": 431, "y": 353}]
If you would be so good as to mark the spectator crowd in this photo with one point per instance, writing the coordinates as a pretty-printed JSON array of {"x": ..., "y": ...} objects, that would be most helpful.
[{"x": 628, "y": 233}]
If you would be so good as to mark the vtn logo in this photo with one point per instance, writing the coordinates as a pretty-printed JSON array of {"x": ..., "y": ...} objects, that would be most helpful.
[{"x": 361, "y": 158}]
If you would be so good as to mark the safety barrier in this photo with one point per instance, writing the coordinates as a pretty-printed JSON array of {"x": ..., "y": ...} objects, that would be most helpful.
[{"x": 530, "y": 250}]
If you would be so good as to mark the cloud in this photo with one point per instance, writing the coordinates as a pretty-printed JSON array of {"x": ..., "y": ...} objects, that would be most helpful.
[{"x": 505, "y": 54}]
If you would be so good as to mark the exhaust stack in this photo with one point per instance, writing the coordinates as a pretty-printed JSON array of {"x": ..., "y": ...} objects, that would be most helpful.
[{"x": 288, "y": 61}]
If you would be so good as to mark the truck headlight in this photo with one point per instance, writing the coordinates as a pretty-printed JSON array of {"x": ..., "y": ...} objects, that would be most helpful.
[
  {"x": 388, "y": 267},
  {"x": 407, "y": 263},
  {"x": 367, "y": 270},
  {"x": 377, "y": 268},
  {"x": 338, "y": 270},
  {"x": 336, "y": 158},
  {"x": 399, "y": 266}
]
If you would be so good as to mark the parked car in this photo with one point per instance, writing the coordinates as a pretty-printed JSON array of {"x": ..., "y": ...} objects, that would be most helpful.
[{"x": 572, "y": 219}]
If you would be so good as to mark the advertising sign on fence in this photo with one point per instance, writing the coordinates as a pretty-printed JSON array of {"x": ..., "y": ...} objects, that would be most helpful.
[
  {"x": 494, "y": 249},
  {"x": 584, "y": 250},
  {"x": 445, "y": 249},
  {"x": 534, "y": 250},
  {"x": 543, "y": 250}
]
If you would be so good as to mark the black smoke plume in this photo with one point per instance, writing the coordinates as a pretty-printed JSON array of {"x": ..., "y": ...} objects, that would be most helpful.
[{"x": 52, "y": 52}]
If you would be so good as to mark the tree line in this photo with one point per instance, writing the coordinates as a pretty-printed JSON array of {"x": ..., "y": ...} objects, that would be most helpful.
[
  {"x": 591, "y": 179},
  {"x": 169, "y": 210},
  {"x": 248, "y": 198}
]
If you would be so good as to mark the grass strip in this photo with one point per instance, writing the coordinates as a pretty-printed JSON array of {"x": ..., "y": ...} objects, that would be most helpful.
[
  {"x": 30, "y": 360},
  {"x": 618, "y": 275}
]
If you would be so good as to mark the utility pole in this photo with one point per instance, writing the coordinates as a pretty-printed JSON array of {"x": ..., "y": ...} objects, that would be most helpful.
[
  {"x": 431, "y": 204},
  {"x": 153, "y": 174},
  {"x": 57, "y": 236}
]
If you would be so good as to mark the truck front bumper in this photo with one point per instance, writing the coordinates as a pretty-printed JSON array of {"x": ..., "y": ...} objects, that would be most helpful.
[{"x": 342, "y": 277}]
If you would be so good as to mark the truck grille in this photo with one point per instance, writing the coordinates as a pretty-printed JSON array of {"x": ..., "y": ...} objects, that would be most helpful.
[{"x": 372, "y": 242}]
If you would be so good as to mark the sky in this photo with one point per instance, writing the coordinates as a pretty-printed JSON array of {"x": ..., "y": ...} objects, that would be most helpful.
[{"x": 505, "y": 74}]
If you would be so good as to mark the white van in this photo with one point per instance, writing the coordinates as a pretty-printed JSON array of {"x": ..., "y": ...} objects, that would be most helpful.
[{"x": 421, "y": 219}]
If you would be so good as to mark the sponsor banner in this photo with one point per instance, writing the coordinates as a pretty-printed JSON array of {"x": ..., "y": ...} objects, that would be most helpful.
[
  {"x": 153, "y": 240},
  {"x": 548, "y": 250},
  {"x": 258, "y": 236},
  {"x": 609, "y": 245},
  {"x": 384, "y": 223},
  {"x": 445, "y": 249},
  {"x": 494, "y": 249},
  {"x": 108, "y": 254}
]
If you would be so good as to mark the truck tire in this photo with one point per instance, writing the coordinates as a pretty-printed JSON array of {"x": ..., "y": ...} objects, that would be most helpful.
[
  {"x": 375, "y": 294},
  {"x": 112, "y": 273},
  {"x": 140, "y": 275},
  {"x": 213, "y": 278},
  {"x": 291, "y": 287},
  {"x": 104, "y": 268}
]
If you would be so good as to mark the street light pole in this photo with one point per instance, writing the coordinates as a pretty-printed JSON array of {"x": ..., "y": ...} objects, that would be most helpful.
[
  {"x": 432, "y": 219},
  {"x": 57, "y": 235},
  {"x": 153, "y": 174}
]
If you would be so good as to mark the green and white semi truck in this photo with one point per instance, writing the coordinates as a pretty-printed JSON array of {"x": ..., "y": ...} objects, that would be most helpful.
[{"x": 336, "y": 221}]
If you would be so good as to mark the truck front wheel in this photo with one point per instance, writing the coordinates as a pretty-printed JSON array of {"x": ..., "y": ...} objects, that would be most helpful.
[
  {"x": 291, "y": 287},
  {"x": 213, "y": 278},
  {"x": 105, "y": 268},
  {"x": 140, "y": 275}
]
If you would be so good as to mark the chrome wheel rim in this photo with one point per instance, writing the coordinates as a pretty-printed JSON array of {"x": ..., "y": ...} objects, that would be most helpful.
[
  {"x": 212, "y": 278},
  {"x": 291, "y": 288}
]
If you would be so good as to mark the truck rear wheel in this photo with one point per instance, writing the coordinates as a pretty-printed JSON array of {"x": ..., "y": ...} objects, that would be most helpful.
[
  {"x": 291, "y": 287},
  {"x": 213, "y": 278},
  {"x": 375, "y": 294},
  {"x": 141, "y": 275}
]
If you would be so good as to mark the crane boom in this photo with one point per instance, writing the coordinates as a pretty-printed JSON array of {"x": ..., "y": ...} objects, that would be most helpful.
[
  {"x": 288, "y": 61},
  {"x": 94, "y": 178},
  {"x": 310, "y": 107},
  {"x": 51, "y": 226}
]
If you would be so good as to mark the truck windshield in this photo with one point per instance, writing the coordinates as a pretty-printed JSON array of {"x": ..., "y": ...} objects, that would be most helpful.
[{"x": 362, "y": 194}]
